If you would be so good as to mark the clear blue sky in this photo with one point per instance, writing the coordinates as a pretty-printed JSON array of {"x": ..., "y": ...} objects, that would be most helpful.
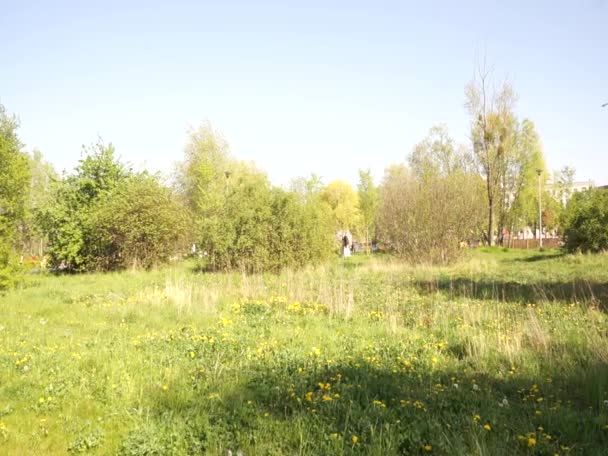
[{"x": 299, "y": 87}]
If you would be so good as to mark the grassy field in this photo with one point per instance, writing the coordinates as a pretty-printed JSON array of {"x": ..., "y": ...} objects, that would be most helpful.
[{"x": 505, "y": 353}]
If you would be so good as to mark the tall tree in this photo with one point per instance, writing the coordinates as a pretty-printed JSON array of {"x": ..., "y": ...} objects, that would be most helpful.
[
  {"x": 67, "y": 222},
  {"x": 344, "y": 203},
  {"x": 14, "y": 186},
  {"x": 492, "y": 134},
  {"x": 519, "y": 185},
  {"x": 43, "y": 177},
  {"x": 368, "y": 205}
]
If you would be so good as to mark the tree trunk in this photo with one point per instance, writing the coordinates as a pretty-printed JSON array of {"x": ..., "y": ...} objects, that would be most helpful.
[{"x": 491, "y": 224}]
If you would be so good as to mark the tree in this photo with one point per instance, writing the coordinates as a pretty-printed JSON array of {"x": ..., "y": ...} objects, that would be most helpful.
[
  {"x": 564, "y": 179},
  {"x": 585, "y": 221},
  {"x": 43, "y": 176},
  {"x": 66, "y": 222},
  {"x": 140, "y": 222},
  {"x": 14, "y": 180},
  {"x": 368, "y": 205},
  {"x": 492, "y": 134},
  {"x": 426, "y": 211},
  {"x": 243, "y": 223},
  {"x": 344, "y": 203},
  {"x": 438, "y": 155},
  {"x": 519, "y": 186}
]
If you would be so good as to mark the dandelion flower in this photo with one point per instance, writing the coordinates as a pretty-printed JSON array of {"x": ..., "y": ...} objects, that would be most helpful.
[
  {"x": 531, "y": 442},
  {"x": 428, "y": 448},
  {"x": 487, "y": 427},
  {"x": 354, "y": 439}
]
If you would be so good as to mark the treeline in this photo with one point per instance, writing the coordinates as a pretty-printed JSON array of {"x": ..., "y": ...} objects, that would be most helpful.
[{"x": 104, "y": 216}]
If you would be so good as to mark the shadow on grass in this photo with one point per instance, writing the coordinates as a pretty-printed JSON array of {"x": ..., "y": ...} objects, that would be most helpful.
[
  {"x": 577, "y": 290},
  {"x": 284, "y": 409},
  {"x": 550, "y": 255}
]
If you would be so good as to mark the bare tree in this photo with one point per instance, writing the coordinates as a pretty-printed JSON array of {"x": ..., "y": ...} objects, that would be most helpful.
[{"x": 492, "y": 134}]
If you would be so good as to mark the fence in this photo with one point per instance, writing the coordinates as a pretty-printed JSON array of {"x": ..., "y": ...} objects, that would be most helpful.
[{"x": 549, "y": 243}]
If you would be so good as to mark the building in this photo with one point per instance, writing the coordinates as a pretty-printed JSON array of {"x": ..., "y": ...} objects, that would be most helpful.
[{"x": 561, "y": 193}]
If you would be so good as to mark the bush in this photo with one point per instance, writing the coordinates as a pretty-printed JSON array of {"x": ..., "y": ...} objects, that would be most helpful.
[
  {"x": 424, "y": 219},
  {"x": 139, "y": 223},
  {"x": 585, "y": 221}
]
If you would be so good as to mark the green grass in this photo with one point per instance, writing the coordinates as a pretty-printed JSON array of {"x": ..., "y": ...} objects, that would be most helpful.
[{"x": 363, "y": 356}]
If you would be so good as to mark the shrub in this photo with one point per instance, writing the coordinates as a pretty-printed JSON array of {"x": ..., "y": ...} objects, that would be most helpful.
[
  {"x": 139, "y": 223},
  {"x": 585, "y": 221}
]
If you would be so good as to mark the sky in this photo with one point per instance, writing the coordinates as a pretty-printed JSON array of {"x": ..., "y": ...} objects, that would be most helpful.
[{"x": 299, "y": 87}]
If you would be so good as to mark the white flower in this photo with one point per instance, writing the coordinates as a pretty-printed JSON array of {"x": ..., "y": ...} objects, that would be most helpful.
[
  {"x": 606, "y": 402},
  {"x": 475, "y": 387},
  {"x": 455, "y": 385}
]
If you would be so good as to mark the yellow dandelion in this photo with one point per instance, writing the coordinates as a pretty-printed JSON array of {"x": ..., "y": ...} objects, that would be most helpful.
[
  {"x": 335, "y": 435},
  {"x": 531, "y": 442},
  {"x": 165, "y": 387},
  {"x": 487, "y": 427},
  {"x": 428, "y": 448},
  {"x": 354, "y": 439}
]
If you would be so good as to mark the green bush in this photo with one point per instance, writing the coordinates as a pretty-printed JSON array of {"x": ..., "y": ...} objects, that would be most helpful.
[
  {"x": 139, "y": 223},
  {"x": 585, "y": 221}
]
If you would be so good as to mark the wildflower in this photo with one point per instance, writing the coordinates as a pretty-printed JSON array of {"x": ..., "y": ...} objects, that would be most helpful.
[
  {"x": 315, "y": 351},
  {"x": 434, "y": 360},
  {"x": 476, "y": 418},
  {"x": 165, "y": 387},
  {"x": 335, "y": 435},
  {"x": 327, "y": 398},
  {"x": 531, "y": 442},
  {"x": 487, "y": 427},
  {"x": 41, "y": 400},
  {"x": 455, "y": 385},
  {"x": 354, "y": 439},
  {"x": 309, "y": 396},
  {"x": 475, "y": 387},
  {"x": 428, "y": 448},
  {"x": 606, "y": 402}
]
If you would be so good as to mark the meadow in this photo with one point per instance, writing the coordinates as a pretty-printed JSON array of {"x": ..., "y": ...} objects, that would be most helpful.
[{"x": 504, "y": 353}]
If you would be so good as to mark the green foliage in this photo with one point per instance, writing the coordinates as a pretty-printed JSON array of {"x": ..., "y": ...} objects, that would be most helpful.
[
  {"x": 66, "y": 222},
  {"x": 43, "y": 176},
  {"x": 585, "y": 221},
  {"x": 243, "y": 223},
  {"x": 344, "y": 203},
  {"x": 14, "y": 180},
  {"x": 368, "y": 204},
  {"x": 140, "y": 222},
  {"x": 428, "y": 210}
]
